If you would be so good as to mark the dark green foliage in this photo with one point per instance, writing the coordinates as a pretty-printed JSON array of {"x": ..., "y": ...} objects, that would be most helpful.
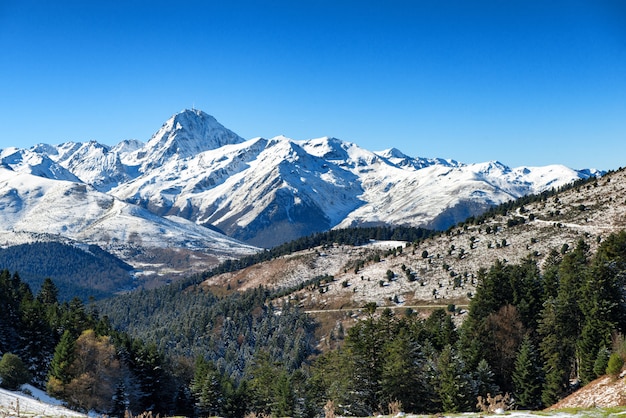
[
  {"x": 13, "y": 372},
  {"x": 37, "y": 337},
  {"x": 12, "y": 291},
  {"x": 230, "y": 331},
  {"x": 77, "y": 272},
  {"x": 439, "y": 329},
  {"x": 484, "y": 380},
  {"x": 527, "y": 377},
  {"x": 384, "y": 359},
  {"x": 570, "y": 313},
  {"x": 602, "y": 361},
  {"x": 206, "y": 387},
  {"x": 454, "y": 384},
  {"x": 63, "y": 358},
  {"x": 43, "y": 332}
]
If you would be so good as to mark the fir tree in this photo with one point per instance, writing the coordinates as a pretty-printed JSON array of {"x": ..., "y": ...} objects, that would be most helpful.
[
  {"x": 484, "y": 380},
  {"x": 62, "y": 359},
  {"x": 402, "y": 377},
  {"x": 455, "y": 386},
  {"x": 206, "y": 388},
  {"x": 527, "y": 376}
]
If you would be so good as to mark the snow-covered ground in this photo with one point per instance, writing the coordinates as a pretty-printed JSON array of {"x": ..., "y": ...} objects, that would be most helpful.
[{"x": 38, "y": 404}]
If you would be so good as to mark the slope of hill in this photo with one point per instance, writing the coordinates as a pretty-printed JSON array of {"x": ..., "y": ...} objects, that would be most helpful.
[
  {"x": 78, "y": 272},
  {"x": 337, "y": 283},
  {"x": 38, "y": 403},
  {"x": 604, "y": 392},
  {"x": 35, "y": 208},
  {"x": 442, "y": 269}
]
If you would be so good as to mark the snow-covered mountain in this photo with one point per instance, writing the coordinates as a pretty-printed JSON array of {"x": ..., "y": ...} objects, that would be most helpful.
[
  {"x": 38, "y": 208},
  {"x": 194, "y": 171}
]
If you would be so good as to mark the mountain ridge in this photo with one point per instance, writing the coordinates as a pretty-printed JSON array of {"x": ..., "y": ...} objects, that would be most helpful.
[{"x": 194, "y": 177}]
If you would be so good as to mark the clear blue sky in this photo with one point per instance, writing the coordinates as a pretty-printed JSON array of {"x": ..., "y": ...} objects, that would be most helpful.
[{"x": 524, "y": 82}]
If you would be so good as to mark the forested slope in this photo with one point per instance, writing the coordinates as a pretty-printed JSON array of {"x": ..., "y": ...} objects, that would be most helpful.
[{"x": 83, "y": 273}]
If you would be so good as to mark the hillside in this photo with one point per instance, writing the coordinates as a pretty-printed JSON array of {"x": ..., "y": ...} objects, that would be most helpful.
[
  {"x": 604, "y": 392},
  {"x": 78, "y": 272},
  {"x": 520, "y": 330},
  {"x": 38, "y": 403},
  {"x": 447, "y": 273}
]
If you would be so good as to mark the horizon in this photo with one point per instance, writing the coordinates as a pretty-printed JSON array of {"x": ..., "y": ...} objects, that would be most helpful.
[{"x": 525, "y": 83}]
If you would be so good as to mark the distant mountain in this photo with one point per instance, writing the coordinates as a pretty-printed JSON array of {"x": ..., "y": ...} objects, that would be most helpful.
[
  {"x": 269, "y": 191},
  {"x": 195, "y": 177}
]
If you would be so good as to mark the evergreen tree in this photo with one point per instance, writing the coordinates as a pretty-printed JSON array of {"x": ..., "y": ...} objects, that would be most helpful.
[
  {"x": 206, "y": 388},
  {"x": 439, "y": 329},
  {"x": 37, "y": 340},
  {"x": 615, "y": 364},
  {"x": 402, "y": 375},
  {"x": 561, "y": 323},
  {"x": 10, "y": 298},
  {"x": 48, "y": 294},
  {"x": 484, "y": 380},
  {"x": 60, "y": 365},
  {"x": 557, "y": 366},
  {"x": 365, "y": 344},
  {"x": 528, "y": 292},
  {"x": 283, "y": 395},
  {"x": 527, "y": 376},
  {"x": 602, "y": 361},
  {"x": 331, "y": 379},
  {"x": 454, "y": 385}
]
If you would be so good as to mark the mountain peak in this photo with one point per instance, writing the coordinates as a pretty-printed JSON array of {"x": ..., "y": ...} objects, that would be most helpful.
[{"x": 186, "y": 134}]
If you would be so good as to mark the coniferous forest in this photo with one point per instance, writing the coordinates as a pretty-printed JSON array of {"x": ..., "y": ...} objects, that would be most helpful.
[{"x": 531, "y": 334}]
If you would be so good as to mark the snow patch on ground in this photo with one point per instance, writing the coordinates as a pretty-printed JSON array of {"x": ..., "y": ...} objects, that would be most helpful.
[{"x": 36, "y": 403}]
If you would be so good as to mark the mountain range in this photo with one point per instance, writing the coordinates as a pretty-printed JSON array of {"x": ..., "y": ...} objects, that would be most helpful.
[{"x": 198, "y": 191}]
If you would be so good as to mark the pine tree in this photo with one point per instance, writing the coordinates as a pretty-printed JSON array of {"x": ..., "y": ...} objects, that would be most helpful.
[
  {"x": 602, "y": 361},
  {"x": 206, "y": 388},
  {"x": 9, "y": 313},
  {"x": 61, "y": 361},
  {"x": 484, "y": 380},
  {"x": 37, "y": 340},
  {"x": 48, "y": 295},
  {"x": 561, "y": 323},
  {"x": 402, "y": 376},
  {"x": 556, "y": 361},
  {"x": 365, "y": 344},
  {"x": 527, "y": 376},
  {"x": 455, "y": 386}
]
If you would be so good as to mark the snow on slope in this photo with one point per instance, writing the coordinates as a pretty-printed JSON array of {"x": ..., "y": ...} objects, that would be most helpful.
[
  {"x": 38, "y": 403},
  {"x": 268, "y": 191},
  {"x": 73, "y": 210}
]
